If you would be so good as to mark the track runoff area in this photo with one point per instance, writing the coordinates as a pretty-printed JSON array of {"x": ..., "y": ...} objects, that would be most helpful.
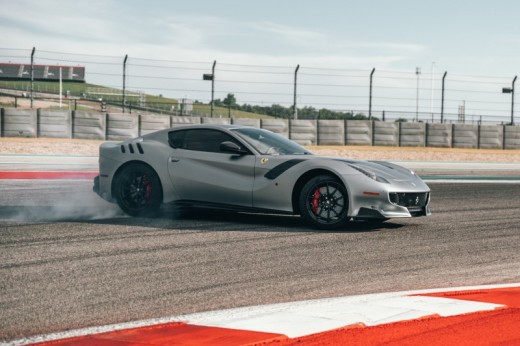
[{"x": 465, "y": 315}]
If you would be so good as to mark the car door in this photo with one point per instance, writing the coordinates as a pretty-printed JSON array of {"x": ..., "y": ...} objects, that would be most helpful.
[{"x": 200, "y": 171}]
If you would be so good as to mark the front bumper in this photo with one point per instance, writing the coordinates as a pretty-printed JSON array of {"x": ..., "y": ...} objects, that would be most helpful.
[
  {"x": 389, "y": 205},
  {"x": 376, "y": 213}
]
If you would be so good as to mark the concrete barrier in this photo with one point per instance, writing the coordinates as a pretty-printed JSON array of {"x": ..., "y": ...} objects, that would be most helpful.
[
  {"x": 177, "y": 121},
  {"x": 358, "y": 132},
  {"x": 385, "y": 134},
  {"x": 439, "y": 135},
  {"x": 216, "y": 120},
  {"x": 101, "y": 126},
  {"x": 491, "y": 137},
  {"x": 19, "y": 122},
  {"x": 246, "y": 122},
  {"x": 150, "y": 123},
  {"x": 331, "y": 132},
  {"x": 280, "y": 126},
  {"x": 122, "y": 126},
  {"x": 412, "y": 134},
  {"x": 54, "y": 124},
  {"x": 89, "y": 125},
  {"x": 511, "y": 137},
  {"x": 465, "y": 136},
  {"x": 303, "y": 132}
]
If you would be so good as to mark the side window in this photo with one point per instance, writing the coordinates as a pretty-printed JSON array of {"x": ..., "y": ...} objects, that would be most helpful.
[
  {"x": 199, "y": 140},
  {"x": 176, "y": 139}
]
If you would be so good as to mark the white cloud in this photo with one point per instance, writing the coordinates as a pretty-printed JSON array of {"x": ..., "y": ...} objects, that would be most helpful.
[{"x": 100, "y": 27}]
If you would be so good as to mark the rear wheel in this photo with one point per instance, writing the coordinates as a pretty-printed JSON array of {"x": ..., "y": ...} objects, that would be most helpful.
[
  {"x": 324, "y": 202},
  {"x": 138, "y": 190}
]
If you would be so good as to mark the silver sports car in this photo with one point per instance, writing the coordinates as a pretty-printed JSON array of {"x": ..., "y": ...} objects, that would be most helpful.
[{"x": 249, "y": 169}]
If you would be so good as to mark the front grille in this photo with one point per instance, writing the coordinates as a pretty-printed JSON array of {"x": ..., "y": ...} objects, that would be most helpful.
[{"x": 409, "y": 199}]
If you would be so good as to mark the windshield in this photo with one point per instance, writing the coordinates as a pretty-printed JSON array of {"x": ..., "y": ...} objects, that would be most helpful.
[{"x": 269, "y": 143}]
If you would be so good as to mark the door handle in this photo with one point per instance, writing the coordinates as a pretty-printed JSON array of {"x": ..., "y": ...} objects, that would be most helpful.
[{"x": 173, "y": 159}]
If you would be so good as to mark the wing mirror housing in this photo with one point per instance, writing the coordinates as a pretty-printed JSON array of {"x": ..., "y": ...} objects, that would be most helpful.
[{"x": 233, "y": 148}]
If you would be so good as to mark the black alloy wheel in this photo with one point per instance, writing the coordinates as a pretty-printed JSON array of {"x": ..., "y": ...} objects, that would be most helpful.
[
  {"x": 324, "y": 202},
  {"x": 138, "y": 190}
]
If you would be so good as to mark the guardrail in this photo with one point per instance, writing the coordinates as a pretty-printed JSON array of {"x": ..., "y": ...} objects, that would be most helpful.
[{"x": 120, "y": 126}]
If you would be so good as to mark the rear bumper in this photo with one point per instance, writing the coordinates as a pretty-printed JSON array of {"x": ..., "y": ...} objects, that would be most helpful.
[{"x": 95, "y": 188}]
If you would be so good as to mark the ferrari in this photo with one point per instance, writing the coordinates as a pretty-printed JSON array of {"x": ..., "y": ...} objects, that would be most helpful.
[{"x": 248, "y": 169}]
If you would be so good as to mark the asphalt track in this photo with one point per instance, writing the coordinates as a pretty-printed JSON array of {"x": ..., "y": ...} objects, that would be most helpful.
[{"x": 70, "y": 260}]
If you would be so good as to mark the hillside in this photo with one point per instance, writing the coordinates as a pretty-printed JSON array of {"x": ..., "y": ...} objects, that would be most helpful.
[{"x": 90, "y": 96}]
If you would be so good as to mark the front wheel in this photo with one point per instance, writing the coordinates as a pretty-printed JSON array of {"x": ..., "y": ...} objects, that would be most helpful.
[
  {"x": 138, "y": 190},
  {"x": 324, "y": 202}
]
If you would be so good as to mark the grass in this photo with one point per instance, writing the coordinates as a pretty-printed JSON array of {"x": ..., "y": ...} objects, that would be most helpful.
[{"x": 94, "y": 91}]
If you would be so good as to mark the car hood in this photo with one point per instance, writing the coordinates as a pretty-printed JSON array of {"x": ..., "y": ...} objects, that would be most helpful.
[{"x": 394, "y": 174}]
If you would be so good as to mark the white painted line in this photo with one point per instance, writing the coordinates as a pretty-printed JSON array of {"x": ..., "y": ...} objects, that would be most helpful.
[
  {"x": 471, "y": 181},
  {"x": 310, "y": 317}
]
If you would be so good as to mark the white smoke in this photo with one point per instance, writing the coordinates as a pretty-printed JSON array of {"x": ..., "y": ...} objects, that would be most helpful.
[{"x": 53, "y": 200}]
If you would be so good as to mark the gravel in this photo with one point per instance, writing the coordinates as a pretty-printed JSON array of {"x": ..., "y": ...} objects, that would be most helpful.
[{"x": 58, "y": 146}]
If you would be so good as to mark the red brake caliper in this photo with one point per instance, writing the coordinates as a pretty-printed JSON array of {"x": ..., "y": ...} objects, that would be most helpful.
[
  {"x": 148, "y": 185},
  {"x": 315, "y": 201}
]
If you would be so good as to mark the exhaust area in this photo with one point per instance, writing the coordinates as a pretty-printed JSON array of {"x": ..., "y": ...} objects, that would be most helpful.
[{"x": 53, "y": 200}]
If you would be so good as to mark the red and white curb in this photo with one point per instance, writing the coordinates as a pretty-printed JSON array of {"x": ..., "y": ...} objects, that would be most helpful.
[
  {"x": 47, "y": 175},
  {"x": 286, "y": 321},
  {"x": 310, "y": 317}
]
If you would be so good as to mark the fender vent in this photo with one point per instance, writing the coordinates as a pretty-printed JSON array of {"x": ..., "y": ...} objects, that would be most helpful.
[
  {"x": 131, "y": 148},
  {"x": 275, "y": 172}
]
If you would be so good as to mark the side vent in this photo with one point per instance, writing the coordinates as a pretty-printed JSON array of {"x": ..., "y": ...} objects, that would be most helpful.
[{"x": 131, "y": 148}]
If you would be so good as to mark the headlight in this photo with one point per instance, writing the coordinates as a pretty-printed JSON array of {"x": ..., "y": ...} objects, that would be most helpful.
[{"x": 370, "y": 174}]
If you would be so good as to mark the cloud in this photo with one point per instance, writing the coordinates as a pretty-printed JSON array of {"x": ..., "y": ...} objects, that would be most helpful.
[{"x": 107, "y": 28}]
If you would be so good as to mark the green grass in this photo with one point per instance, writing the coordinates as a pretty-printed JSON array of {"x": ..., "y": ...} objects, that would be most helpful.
[
  {"x": 226, "y": 113},
  {"x": 46, "y": 87}
]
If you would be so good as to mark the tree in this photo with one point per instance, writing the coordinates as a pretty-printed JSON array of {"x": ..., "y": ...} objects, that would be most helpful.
[{"x": 230, "y": 100}]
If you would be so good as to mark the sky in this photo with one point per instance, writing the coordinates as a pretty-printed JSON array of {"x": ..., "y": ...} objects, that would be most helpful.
[{"x": 469, "y": 38}]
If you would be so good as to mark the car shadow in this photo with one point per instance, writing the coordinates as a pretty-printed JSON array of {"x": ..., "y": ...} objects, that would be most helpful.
[
  {"x": 218, "y": 220},
  {"x": 171, "y": 218}
]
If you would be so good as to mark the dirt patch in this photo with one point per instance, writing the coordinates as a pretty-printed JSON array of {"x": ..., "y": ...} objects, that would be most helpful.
[
  {"x": 49, "y": 146},
  {"x": 60, "y": 146}
]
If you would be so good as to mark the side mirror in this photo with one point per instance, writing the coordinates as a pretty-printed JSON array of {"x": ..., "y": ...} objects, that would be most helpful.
[{"x": 233, "y": 148}]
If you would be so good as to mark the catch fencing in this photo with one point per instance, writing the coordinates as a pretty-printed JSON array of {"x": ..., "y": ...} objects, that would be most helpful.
[{"x": 34, "y": 123}]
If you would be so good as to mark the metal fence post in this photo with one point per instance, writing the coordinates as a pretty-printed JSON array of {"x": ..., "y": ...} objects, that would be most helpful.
[
  {"x": 213, "y": 87},
  {"x": 124, "y": 83},
  {"x": 442, "y": 100},
  {"x": 513, "y": 101},
  {"x": 295, "y": 84},
  {"x": 370, "y": 95},
  {"x": 32, "y": 76}
]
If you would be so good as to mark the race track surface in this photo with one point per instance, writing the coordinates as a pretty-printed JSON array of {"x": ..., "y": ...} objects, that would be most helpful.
[{"x": 70, "y": 260}]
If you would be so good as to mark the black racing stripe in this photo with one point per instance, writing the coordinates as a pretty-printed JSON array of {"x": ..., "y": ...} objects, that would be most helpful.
[{"x": 275, "y": 172}]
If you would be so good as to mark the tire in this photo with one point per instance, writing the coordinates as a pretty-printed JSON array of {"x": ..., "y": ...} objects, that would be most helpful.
[
  {"x": 138, "y": 190},
  {"x": 324, "y": 202}
]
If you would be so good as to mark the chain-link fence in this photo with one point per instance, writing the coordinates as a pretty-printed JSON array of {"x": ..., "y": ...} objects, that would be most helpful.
[{"x": 204, "y": 88}]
